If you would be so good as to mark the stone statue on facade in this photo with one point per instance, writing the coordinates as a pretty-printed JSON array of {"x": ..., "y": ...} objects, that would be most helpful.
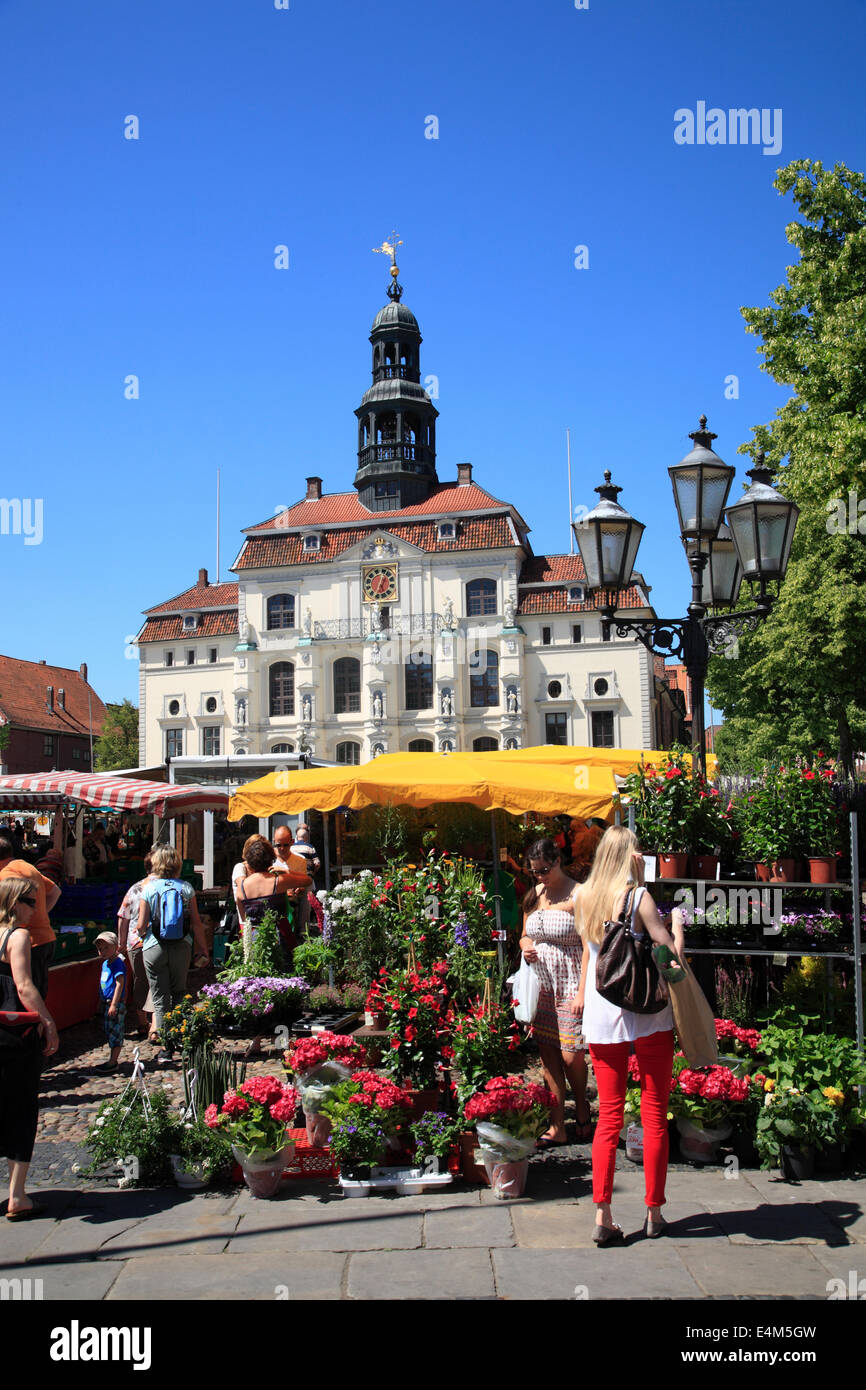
[
  {"x": 511, "y": 702},
  {"x": 378, "y": 705},
  {"x": 448, "y": 613},
  {"x": 446, "y": 703},
  {"x": 510, "y": 612},
  {"x": 308, "y": 623},
  {"x": 307, "y": 708},
  {"x": 241, "y": 712}
]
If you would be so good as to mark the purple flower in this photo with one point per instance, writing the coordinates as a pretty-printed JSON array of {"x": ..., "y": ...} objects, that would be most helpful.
[{"x": 461, "y": 930}]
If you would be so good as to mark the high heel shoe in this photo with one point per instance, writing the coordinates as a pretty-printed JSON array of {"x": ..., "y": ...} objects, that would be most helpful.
[
  {"x": 653, "y": 1229},
  {"x": 608, "y": 1235}
]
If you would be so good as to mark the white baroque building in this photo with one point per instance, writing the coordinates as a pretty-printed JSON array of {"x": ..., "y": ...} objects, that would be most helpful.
[{"x": 404, "y": 615}]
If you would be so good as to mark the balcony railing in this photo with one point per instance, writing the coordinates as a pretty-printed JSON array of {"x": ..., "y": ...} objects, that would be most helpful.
[
  {"x": 399, "y": 371},
  {"x": 400, "y": 454},
  {"x": 404, "y": 625}
]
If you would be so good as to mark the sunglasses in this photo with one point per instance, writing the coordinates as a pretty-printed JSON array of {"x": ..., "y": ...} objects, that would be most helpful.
[{"x": 542, "y": 873}]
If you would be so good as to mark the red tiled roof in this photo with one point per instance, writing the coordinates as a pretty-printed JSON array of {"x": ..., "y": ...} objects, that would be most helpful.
[
  {"x": 476, "y": 533},
  {"x": 334, "y": 507},
  {"x": 554, "y": 599},
  {"x": 200, "y": 596},
  {"x": 171, "y": 629},
  {"x": 550, "y": 569},
  {"x": 23, "y": 696}
]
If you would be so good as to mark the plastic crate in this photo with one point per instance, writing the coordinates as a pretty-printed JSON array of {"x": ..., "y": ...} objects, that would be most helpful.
[{"x": 307, "y": 1163}]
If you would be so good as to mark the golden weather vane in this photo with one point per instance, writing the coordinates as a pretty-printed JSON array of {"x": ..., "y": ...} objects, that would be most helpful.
[{"x": 389, "y": 248}]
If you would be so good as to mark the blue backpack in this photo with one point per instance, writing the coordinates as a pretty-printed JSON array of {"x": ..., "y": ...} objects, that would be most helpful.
[{"x": 168, "y": 911}]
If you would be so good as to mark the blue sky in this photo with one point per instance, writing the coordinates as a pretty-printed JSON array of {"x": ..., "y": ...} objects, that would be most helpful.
[{"x": 306, "y": 127}]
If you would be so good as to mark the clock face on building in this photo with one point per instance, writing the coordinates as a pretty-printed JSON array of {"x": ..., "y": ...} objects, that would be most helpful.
[{"x": 380, "y": 583}]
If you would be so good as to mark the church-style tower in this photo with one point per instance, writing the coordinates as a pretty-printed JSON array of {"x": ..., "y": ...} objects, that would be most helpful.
[{"x": 396, "y": 418}]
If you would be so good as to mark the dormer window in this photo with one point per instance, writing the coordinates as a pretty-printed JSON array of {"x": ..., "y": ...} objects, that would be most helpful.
[
  {"x": 447, "y": 531},
  {"x": 312, "y": 542},
  {"x": 190, "y": 622},
  {"x": 576, "y": 593}
]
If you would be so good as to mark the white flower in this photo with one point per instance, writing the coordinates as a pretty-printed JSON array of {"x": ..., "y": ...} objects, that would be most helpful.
[{"x": 322, "y": 895}]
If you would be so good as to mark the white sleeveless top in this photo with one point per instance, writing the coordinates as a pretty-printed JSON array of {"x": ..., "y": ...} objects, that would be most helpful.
[{"x": 604, "y": 1022}]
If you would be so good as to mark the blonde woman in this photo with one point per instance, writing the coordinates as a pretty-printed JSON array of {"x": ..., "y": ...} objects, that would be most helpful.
[
  {"x": 167, "y": 947},
  {"x": 612, "y": 1033},
  {"x": 21, "y": 1048}
]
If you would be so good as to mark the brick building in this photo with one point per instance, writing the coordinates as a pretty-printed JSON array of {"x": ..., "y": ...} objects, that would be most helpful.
[{"x": 50, "y": 712}]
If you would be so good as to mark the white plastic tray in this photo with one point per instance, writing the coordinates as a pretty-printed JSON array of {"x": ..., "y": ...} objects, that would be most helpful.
[{"x": 402, "y": 1180}]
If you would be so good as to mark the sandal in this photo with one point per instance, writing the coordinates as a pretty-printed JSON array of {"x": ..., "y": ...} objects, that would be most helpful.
[
  {"x": 545, "y": 1143},
  {"x": 583, "y": 1129}
]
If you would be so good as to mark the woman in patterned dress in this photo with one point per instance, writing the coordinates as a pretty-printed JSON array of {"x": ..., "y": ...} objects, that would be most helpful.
[{"x": 552, "y": 943}]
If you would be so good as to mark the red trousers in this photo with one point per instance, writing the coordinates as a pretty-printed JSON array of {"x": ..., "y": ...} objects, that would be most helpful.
[{"x": 610, "y": 1063}]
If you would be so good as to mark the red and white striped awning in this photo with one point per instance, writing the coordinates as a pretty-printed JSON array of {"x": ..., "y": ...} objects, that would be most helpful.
[{"x": 113, "y": 793}]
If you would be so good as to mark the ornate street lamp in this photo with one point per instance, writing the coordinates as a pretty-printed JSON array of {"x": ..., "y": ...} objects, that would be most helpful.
[{"x": 755, "y": 545}]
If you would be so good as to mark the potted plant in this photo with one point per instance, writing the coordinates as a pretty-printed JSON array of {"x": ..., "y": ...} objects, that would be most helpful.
[
  {"x": 816, "y": 819},
  {"x": 632, "y": 1131},
  {"x": 436, "y": 1135},
  {"x": 482, "y": 1042},
  {"x": 198, "y": 1153},
  {"x": 353, "y": 998},
  {"x": 368, "y": 1116},
  {"x": 255, "y": 1118},
  {"x": 701, "y": 1101},
  {"x": 317, "y": 1064},
  {"x": 415, "y": 1006},
  {"x": 207, "y": 1075},
  {"x": 252, "y": 1006},
  {"x": 188, "y": 1026},
  {"x": 376, "y": 1015},
  {"x": 770, "y": 833},
  {"x": 789, "y": 1127},
  {"x": 710, "y": 829},
  {"x": 509, "y": 1114},
  {"x": 133, "y": 1131},
  {"x": 664, "y": 800}
]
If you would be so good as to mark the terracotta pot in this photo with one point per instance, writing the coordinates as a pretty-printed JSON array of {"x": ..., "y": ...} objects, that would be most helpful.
[
  {"x": 318, "y": 1129},
  {"x": 822, "y": 868},
  {"x": 422, "y": 1101},
  {"x": 673, "y": 865},
  {"x": 471, "y": 1164},
  {"x": 762, "y": 873},
  {"x": 703, "y": 865},
  {"x": 263, "y": 1171},
  {"x": 783, "y": 871}
]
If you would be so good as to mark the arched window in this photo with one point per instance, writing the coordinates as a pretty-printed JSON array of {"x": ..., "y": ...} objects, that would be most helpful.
[
  {"x": 281, "y": 689},
  {"x": 347, "y": 686},
  {"x": 484, "y": 745},
  {"x": 480, "y": 597},
  {"x": 281, "y": 611},
  {"x": 419, "y": 681},
  {"x": 349, "y": 753},
  {"x": 283, "y": 748},
  {"x": 483, "y": 679},
  {"x": 421, "y": 745}
]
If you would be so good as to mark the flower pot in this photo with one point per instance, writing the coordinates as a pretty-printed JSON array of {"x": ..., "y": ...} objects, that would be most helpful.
[
  {"x": 762, "y": 873},
  {"x": 783, "y": 871},
  {"x": 822, "y": 868},
  {"x": 831, "y": 1159},
  {"x": 506, "y": 1180},
  {"x": 190, "y": 1175},
  {"x": 699, "y": 1145},
  {"x": 471, "y": 1161},
  {"x": 744, "y": 1150},
  {"x": 797, "y": 1162},
  {"x": 318, "y": 1130},
  {"x": 263, "y": 1169},
  {"x": 703, "y": 865},
  {"x": 422, "y": 1101},
  {"x": 634, "y": 1144},
  {"x": 673, "y": 865}
]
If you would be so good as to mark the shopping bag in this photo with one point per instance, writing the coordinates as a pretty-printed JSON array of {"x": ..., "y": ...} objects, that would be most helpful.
[
  {"x": 693, "y": 1021},
  {"x": 525, "y": 990}
]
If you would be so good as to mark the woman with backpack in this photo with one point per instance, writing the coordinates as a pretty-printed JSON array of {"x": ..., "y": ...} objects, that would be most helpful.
[
  {"x": 167, "y": 922},
  {"x": 614, "y": 895}
]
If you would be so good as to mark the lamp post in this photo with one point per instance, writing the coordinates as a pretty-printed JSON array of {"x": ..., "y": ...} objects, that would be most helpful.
[{"x": 754, "y": 545}]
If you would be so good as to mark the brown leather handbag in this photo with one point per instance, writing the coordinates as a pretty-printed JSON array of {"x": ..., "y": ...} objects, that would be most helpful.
[{"x": 625, "y": 972}]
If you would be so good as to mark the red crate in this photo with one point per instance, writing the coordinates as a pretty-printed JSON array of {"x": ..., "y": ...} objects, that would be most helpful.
[{"x": 308, "y": 1162}]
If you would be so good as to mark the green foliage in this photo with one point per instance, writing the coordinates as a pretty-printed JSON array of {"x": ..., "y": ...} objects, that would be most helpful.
[
  {"x": 435, "y": 1135},
  {"x": 810, "y": 1060},
  {"x": 265, "y": 957},
  {"x": 208, "y": 1149},
  {"x": 124, "y": 1130},
  {"x": 311, "y": 959},
  {"x": 775, "y": 699},
  {"x": 117, "y": 745},
  {"x": 483, "y": 1044},
  {"x": 188, "y": 1025},
  {"x": 215, "y": 1073}
]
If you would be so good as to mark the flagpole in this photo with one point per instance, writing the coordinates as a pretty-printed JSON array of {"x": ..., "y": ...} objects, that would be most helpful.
[
  {"x": 218, "y": 530},
  {"x": 570, "y": 511}
]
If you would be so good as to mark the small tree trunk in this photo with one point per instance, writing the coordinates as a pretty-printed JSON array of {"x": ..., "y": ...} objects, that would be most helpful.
[{"x": 846, "y": 749}]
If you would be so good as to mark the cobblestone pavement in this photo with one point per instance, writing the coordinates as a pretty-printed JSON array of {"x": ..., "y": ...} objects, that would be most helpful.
[{"x": 749, "y": 1236}]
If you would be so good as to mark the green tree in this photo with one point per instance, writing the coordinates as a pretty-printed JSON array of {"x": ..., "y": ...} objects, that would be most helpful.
[
  {"x": 117, "y": 745},
  {"x": 799, "y": 682}
]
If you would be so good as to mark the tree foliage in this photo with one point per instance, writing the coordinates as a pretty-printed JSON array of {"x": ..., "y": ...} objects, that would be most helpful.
[
  {"x": 799, "y": 682},
  {"x": 117, "y": 745}
]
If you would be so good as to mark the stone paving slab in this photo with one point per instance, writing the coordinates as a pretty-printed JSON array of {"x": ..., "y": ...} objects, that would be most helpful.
[
  {"x": 421, "y": 1274},
  {"x": 331, "y": 1227},
  {"x": 206, "y": 1236},
  {"x": 462, "y": 1229},
  {"x": 550, "y": 1227},
  {"x": 247, "y": 1277},
  {"x": 645, "y": 1269},
  {"x": 76, "y": 1237},
  {"x": 848, "y": 1216},
  {"x": 782, "y": 1224},
  {"x": 761, "y": 1271},
  {"x": 88, "y": 1280}
]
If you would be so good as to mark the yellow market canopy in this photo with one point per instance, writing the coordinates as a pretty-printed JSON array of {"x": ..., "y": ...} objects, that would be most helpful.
[
  {"x": 487, "y": 781},
  {"x": 549, "y": 780}
]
